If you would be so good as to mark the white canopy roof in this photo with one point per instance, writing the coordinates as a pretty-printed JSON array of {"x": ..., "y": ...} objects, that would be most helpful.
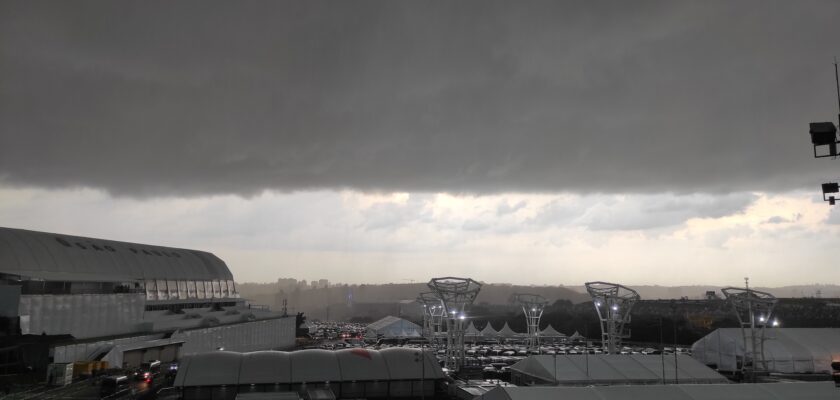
[
  {"x": 391, "y": 326},
  {"x": 761, "y": 391},
  {"x": 488, "y": 331},
  {"x": 506, "y": 331},
  {"x": 471, "y": 330},
  {"x": 549, "y": 331},
  {"x": 314, "y": 365},
  {"x": 614, "y": 369},
  {"x": 786, "y": 350}
]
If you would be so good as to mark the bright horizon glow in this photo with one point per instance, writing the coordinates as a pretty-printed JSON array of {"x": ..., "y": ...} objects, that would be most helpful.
[{"x": 544, "y": 239}]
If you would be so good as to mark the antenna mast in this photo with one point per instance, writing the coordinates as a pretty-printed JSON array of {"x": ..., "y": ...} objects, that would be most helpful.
[{"x": 837, "y": 85}]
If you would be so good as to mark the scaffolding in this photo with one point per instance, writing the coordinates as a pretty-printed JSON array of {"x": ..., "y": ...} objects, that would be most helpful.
[
  {"x": 433, "y": 312},
  {"x": 754, "y": 310},
  {"x": 532, "y": 307},
  {"x": 457, "y": 296},
  {"x": 613, "y": 303}
]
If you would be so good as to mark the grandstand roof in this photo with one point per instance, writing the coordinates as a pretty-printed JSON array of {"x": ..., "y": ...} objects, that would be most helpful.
[
  {"x": 313, "y": 365},
  {"x": 614, "y": 369},
  {"x": 54, "y": 256},
  {"x": 786, "y": 350},
  {"x": 760, "y": 391}
]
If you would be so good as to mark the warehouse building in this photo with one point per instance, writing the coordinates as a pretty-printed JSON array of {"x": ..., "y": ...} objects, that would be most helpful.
[{"x": 68, "y": 298}]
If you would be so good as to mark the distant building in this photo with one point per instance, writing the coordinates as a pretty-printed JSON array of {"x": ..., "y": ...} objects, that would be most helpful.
[{"x": 68, "y": 298}]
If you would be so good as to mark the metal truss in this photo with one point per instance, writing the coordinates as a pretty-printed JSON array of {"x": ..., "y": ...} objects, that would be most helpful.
[
  {"x": 754, "y": 310},
  {"x": 433, "y": 313},
  {"x": 532, "y": 306},
  {"x": 457, "y": 296},
  {"x": 613, "y": 303}
]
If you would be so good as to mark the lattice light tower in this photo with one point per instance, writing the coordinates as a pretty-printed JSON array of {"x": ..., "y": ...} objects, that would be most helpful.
[
  {"x": 457, "y": 295},
  {"x": 433, "y": 312},
  {"x": 754, "y": 310},
  {"x": 532, "y": 306},
  {"x": 613, "y": 303}
]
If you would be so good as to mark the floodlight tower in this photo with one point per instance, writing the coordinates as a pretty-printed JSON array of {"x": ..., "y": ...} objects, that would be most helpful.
[
  {"x": 613, "y": 303},
  {"x": 824, "y": 137},
  {"x": 457, "y": 296},
  {"x": 433, "y": 312},
  {"x": 754, "y": 310},
  {"x": 532, "y": 306}
]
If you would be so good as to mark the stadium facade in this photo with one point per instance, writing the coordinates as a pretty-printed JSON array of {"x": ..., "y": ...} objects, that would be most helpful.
[{"x": 67, "y": 298}]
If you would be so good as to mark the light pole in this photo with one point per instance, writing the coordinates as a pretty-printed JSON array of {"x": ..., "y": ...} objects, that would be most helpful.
[{"x": 824, "y": 137}]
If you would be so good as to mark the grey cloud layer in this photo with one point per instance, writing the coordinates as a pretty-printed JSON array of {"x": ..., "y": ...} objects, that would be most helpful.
[{"x": 186, "y": 98}]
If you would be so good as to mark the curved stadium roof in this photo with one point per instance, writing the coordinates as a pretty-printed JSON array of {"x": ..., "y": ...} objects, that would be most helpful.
[{"x": 58, "y": 257}]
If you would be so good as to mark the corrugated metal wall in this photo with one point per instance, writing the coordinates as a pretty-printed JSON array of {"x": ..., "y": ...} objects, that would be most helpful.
[
  {"x": 82, "y": 315},
  {"x": 250, "y": 336}
]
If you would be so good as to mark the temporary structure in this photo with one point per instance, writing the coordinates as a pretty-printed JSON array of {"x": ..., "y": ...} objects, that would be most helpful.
[
  {"x": 506, "y": 332},
  {"x": 471, "y": 333},
  {"x": 549, "y": 331},
  {"x": 761, "y": 391},
  {"x": 393, "y": 327},
  {"x": 489, "y": 332},
  {"x": 786, "y": 350},
  {"x": 611, "y": 369}
]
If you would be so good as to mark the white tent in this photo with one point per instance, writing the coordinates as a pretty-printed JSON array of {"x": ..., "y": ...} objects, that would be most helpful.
[
  {"x": 506, "y": 332},
  {"x": 392, "y": 327},
  {"x": 488, "y": 331},
  {"x": 611, "y": 369},
  {"x": 549, "y": 331},
  {"x": 786, "y": 350},
  {"x": 760, "y": 391},
  {"x": 471, "y": 332}
]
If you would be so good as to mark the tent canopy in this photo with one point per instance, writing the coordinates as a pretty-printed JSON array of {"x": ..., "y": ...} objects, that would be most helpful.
[
  {"x": 761, "y": 391},
  {"x": 786, "y": 350},
  {"x": 549, "y": 331},
  {"x": 488, "y": 331},
  {"x": 312, "y": 365},
  {"x": 506, "y": 332},
  {"x": 391, "y": 327},
  {"x": 615, "y": 369}
]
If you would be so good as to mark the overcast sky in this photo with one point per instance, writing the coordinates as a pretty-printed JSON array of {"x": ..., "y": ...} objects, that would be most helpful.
[{"x": 658, "y": 142}]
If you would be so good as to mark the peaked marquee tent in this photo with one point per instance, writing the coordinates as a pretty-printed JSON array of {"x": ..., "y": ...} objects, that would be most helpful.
[
  {"x": 471, "y": 332},
  {"x": 489, "y": 332},
  {"x": 786, "y": 350},
  {"x": 549, "y": 331},
  {"x": 506, "y": 332},
  {"x": 392, "y": 327}
]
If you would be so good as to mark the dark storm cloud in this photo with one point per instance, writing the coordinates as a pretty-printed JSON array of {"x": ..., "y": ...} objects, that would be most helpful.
[{"x": 158, "y": 98}]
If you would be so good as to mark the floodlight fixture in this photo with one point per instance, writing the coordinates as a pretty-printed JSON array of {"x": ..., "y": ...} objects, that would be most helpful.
[
  {"x": 746, "y": 303},
  {"x": 456, "y": 295},
  {"x": 433, "y": 315},
  {"x": 532, "y": 306},
  {"x": 616, "y": 316},
  {"x": 830, "y": 188}
]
